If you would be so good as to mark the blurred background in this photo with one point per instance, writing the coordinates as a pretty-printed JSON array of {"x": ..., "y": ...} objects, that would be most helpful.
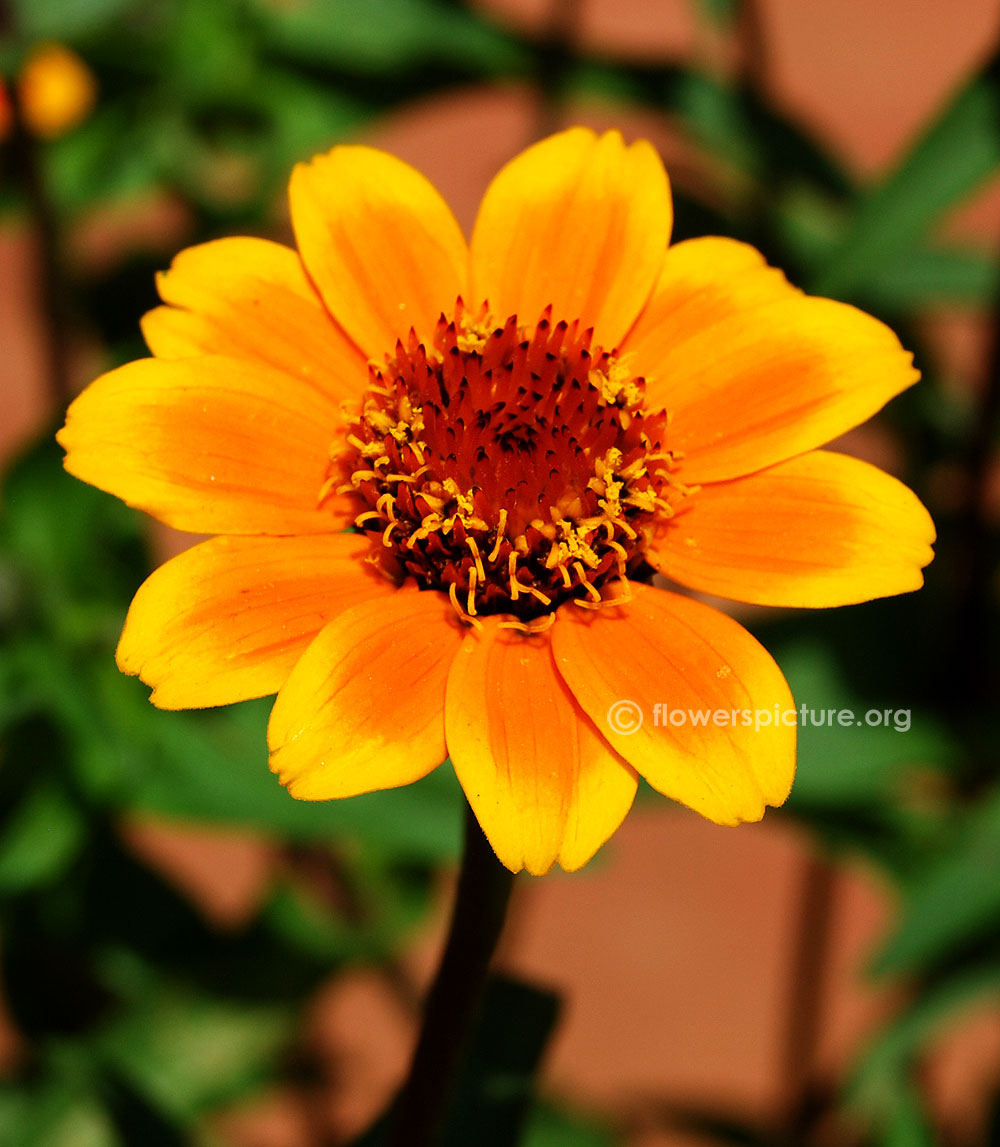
[{"x": 187, "y": 956}]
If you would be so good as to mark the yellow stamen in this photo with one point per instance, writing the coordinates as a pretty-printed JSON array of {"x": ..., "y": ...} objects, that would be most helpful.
[
  {"x": 471, "y": 600},
  {"x": 360, "y": 476},
  {"x": 515, "y": 585},
  {"x": 467, "y": 618},
  {"x": 501, "y": 527},
  {"x": 581, "y": 573},
  {"x": 608, "y": 603},
  {"x": 387, "y": 505},
  {"x": 471, "y": 542},
  {"x": 539, "y": 625}
]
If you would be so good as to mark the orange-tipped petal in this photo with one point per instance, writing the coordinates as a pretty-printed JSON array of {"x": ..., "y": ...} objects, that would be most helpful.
[
  {"x": 210, "y": 445},
  {"x": 229, "y": 618},
  {"x": 379, "y": 242},
  {"x": 577, "y": 221},
  {"x": 752, "y": 371},
  {"x": 364, "y": 707},
  {"x": 820, "y": 530},
  {"x": 544, "y": 785},
  {"x": 733, "y": 752},
  {"x": 250, "y": 298}
]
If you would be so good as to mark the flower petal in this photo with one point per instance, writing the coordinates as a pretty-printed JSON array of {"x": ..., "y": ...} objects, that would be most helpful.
[
  {"x": 752, "y": 371},
  {"x": 379, "y": 242},
  {"x": 579, "y": 222},
  {"x": 250, "y": 298},
  {"x": 820, "y": 530},
  {"x": 662, "y": 654},
  {"x": 228, "y": 619},
  {"x": 364, "y": 707},
  {"x": 544, "y": 785},
  {"x": 210, "y": 445},
  {"x": 703, "y": 282}
]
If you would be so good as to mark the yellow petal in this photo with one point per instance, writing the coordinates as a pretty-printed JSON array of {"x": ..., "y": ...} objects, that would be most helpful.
[
  {"x": 364, "y": 707},
  {"x": 544, "y": 785},
  {"x": 210, "y": 445},
  {"x": 704, "y": 282},
  {"x": 733, "y": 751},
  {"x": 250, "y": 298},
  {"x": 579, "y": 222},
  {"x": 820, "y": 530},
  {"x": 752, "y": 371},
  {"x": 229, "y": 618},
  {"x": 379, "y": 242}
]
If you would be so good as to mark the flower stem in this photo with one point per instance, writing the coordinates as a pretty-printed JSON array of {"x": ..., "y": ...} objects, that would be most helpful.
[
  {"x": 484, "y": 888},
  {"x": 554, "y": 62}
]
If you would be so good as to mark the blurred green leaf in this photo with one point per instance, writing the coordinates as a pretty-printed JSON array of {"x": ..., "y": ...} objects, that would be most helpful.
[
  {"x": 211, "y": 51},
  {"x": 185, "y": 1054},
  {"x": 497, "y": 1084},
  {"x": 955, "y": 902},
  {"x": 300, "y": 921},
  {"x": 42, "y": 837},
  {"x": 53, "y": 1115},
  {"x": 379, "y": 36},
  {"x": 722, "y": 12},
  {"x": 889, "y": 1058},
  {"x": 112, "y": 156},
  {"x": 213, "y": 767},
  {"x": 717, "y": 115},
  {"x": 550, "y": 1127},
  {"x": 65, "y": 19},
  {"x": 952, "y": 157},
  {"x": 856, "y": 764},
  {"x": 71, "y": 550},
  {"x": 932, "y": 276},
  {"x": 909, "y": 1125}
]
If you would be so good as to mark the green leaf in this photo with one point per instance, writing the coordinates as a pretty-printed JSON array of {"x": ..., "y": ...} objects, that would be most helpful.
[
  {"x": 718, "y": 117},
  {"x": 724, "y": 12},
  {"x": 496, "y": 1086},
  {"x": 954, "y": 903},
  {"x": 855, "y": 764},
  {"x": 550, "y": 1127},
  {"x": 212, "y": 767},
  {"x": 888, "y": 1061},
  {"x": 185, "y": 1054},
  {"x": 953, "y": 156},
  {"x": 380, "y": 36},
  {"x": 42, "y": 837},
  {"x": 909, "y": 1125},
  {"x": 932, "y": 276},
  {"x": 65, "y": 19}
]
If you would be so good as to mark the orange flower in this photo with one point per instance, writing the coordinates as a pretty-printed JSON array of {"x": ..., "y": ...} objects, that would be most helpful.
[
  {"x": 57, "y": 91},
  {"x": 516, "y": 466}
]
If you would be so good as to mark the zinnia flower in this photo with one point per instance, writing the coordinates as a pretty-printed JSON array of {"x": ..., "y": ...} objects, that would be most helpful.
[
  {"x": 444, "y": 474},
  {"x": 56, "y": 89}
]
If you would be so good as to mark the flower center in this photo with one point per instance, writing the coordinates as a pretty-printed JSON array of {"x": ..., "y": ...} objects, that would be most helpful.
[{"x": 512, "y": 467}]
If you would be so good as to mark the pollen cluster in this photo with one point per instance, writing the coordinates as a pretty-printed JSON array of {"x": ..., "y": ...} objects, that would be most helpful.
[{"x": 512, "y": 467}]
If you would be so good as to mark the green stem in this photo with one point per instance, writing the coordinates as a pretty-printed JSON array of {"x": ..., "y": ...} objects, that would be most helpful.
[{"x": 484, "y": 888}]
